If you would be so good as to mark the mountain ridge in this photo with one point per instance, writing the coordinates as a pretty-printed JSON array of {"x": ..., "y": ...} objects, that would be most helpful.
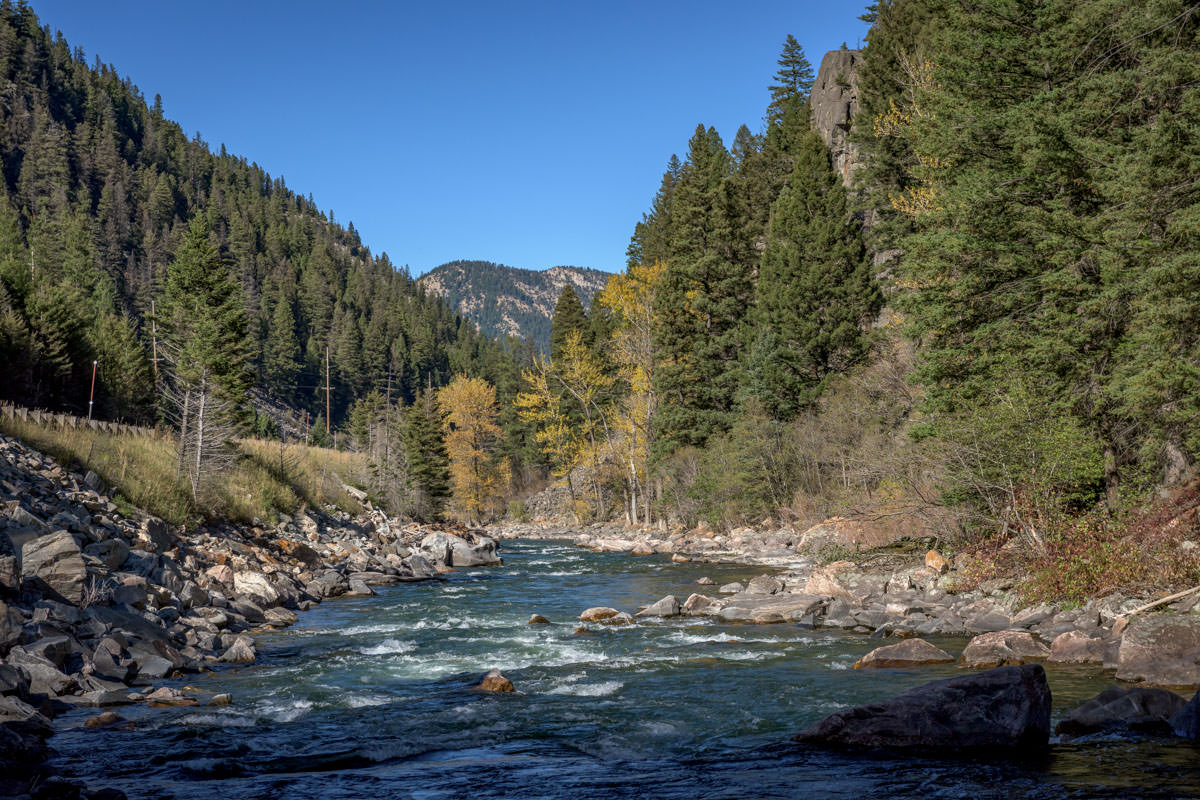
[{"x": 510, "y": 301}]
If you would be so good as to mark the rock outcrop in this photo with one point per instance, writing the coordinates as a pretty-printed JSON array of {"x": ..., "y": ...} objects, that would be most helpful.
[{"x": 834, "y": 102}]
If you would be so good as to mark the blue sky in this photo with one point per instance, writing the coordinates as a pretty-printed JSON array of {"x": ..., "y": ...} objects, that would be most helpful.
[{"x": 527, "y": 133}]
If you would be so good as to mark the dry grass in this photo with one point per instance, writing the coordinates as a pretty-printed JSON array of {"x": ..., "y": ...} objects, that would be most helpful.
[{"x": 140, "y": 468}]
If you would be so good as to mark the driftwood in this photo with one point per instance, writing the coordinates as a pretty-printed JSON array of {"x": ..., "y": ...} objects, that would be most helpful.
[{"x": 1169, "y": 598}]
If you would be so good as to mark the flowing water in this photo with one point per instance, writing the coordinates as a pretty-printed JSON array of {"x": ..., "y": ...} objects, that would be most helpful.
[{"x": 370, "y": 698}]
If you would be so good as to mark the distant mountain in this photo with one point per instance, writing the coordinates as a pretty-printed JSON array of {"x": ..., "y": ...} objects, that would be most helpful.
[{"x": 508, "y": 301}]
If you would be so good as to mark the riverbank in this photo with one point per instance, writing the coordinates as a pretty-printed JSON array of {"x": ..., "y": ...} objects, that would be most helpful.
[
  {"x": 98, "y": 609},
  {"x": 894, "y": 594}
]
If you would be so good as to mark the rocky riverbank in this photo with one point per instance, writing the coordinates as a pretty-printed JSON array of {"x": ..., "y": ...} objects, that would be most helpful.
[
  {"x": 97, "y": 608},
  {"x": 905, "y": 595}
]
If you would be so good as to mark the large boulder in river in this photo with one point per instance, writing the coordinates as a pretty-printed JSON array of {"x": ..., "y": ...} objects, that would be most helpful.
[
  {"x": 667, "y": 607},
  {"x": 1162, "y": 650},
  {"x": 495, "y": 681},
  {"x": 764, "y": 609},
  {"x": 455, "y": 551},
  {"x": 598, "y": 614},
  {"x": 53, "y": 564},
  {"x": 1120, "y": 709},
  {"x": 1186, "y": 721},
  {"x": 908, "y": 653},
  {"x": 1003, "y": 708},
  {"x": 1003, "y": 648}
]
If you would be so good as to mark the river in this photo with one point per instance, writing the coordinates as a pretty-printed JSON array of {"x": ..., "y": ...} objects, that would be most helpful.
[{"x": 370, "y": 698}]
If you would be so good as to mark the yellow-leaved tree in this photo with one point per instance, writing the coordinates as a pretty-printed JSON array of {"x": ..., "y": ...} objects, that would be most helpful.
[
  {"x": 630, "y": 297},
  {"x": 479, "y": 478}
]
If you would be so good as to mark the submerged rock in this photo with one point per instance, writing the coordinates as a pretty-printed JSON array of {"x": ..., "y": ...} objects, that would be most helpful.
[
  {"x": 1005, "y": 708},
  {"x": 494, "y": 681},
  {"x": 538, "y": 619},
  {"x": 1117, "y": 708},
  {"x": 909, "y": 653}
]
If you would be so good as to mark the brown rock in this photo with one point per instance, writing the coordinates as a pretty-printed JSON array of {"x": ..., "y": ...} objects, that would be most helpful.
[
  {"x": 1161, "y": 650},
  {"x": 103, "y": 720},
  {"x": 909, "y": 653},
  {"x": 538, "y": 619},
  {"x": 642, "y": 549},
  {"x": 598, "y": 613},
  {"x": 1076, "y": 647},
  {"x": 221, "y": 573},
  {"x": 1003, "y": 648},
  {"x": 937, "y": 562},
  {"x": 679, "y": 558},
  {"x": 494, "y": 681},
  {"x": 699, "y": 605},
  {"x": 166, "y": 696}
]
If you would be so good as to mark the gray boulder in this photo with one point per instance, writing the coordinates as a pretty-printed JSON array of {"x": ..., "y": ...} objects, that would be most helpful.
[
  {"x": 1003, "y": 648},
  {"x": 44, "y": 676},
  {"x": 1003, "y": 708},
  {"x": 10, "y": 627},
  {"x": 1186, "y": 721},
  {"x": 455, "y": 551},
  {"x": 256, "y": 587},
  {"x": 763, "y": 609},
  {"x": 112, "y": 552},
  {"x": 1161, "y": 650},
  {"x": 667, "y": 607},
  {"x": 908, "y": 653},
  {"x": 54, "y": 565},
  {"x": 764, "y": 584}
]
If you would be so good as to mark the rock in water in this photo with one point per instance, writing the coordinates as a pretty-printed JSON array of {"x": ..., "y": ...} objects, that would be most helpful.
[
  {"x": 455, "y": 551},
  {"x": 909, "y": 653},
  {"x": 1115, "y": 709},
  {"x": 667, "y": 607},
  {"x": 103, "y": 720},
  {"x": 1003, "y": 708},
  {"x": 495, "y": 681},
  {"x": 1186, "y": 721},
  {"x": 538, "y": 619},
  {"x": 1161, "y": 650},
  {"x": 598, "y": 613},
  {"x": 1003, "y": 648}
]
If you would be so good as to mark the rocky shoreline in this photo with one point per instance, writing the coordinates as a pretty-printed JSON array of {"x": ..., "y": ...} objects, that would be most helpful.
[
  {"x": 898, "y": 595},
  {"x": 97, "y": 609}
]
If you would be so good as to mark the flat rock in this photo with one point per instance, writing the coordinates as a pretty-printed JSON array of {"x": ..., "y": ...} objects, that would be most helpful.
[
  {"x": 764, "y": 584},
  {"x": 1003, "y": 708},
  {"x": 1161, "y": 650},
  {"x": 1119, "y": 709},
  {"x": 54, "y": 565},
  {"x": 1003, "y": 648},
  {"x": 763, "y": 609},
  {"x": 598, "y": 613},
  {"x": 731, "y": 588},
  {"x": 909, "y": 653},
  {"x": 167, "y": 696}
]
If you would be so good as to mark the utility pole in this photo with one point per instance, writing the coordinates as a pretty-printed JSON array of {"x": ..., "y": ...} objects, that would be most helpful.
[
  {"x": 327, "y": 405},
  {"x": 92, "y": 393}
]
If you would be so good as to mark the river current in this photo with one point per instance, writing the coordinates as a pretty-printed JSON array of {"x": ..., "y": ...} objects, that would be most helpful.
[{"x": 370, "y": 698}]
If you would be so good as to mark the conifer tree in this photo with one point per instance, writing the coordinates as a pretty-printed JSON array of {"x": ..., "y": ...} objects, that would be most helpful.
[
  {"x": 428, "y": 462},
  {"x": 793, "y": 82},
  {"x": 815, "y": 291},
  {"x": 569, "y": 317}
]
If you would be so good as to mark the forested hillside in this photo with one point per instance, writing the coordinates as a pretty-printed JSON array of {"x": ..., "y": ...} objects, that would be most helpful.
[
  {"x": 99, "y": 193},
  {"x": 507, "y": 301}
]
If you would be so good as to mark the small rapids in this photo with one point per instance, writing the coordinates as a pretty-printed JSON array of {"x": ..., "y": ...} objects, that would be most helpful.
[{"x": 370, "y": 697}]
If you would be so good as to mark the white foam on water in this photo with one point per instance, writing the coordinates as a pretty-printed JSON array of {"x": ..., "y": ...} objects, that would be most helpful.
[
  {"x": 286, "y": 712},
  {"x": 367, "y": 700},
  {"x": 588, "y": 689},
  {"x": 217, "y": 721},
  {"x": 389, "y": 647},
  {"x": 841, "y": 664},
  {"x": 357, "y": 630}
]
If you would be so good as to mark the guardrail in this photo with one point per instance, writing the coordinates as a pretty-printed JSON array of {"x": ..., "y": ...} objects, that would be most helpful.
[{"x": 9, "y": 411}]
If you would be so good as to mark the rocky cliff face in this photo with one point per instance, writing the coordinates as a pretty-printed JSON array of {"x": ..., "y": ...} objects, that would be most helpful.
[{"x": 834, "y": 103}]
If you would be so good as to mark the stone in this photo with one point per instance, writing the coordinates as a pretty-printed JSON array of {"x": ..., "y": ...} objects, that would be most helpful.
[
  {"x": 1124, "y": 709},
  {"x": 909, "y": 653},
  {"x": 44, "y": 676},
  {"x": 937, "y": 562},
  {"x": 620, "y": 618},
  {"x": 597, "y": 614},
  {"x": 990, "y": 621},
  {"x": 1003, "y": 708},
  {"x": 834, "y": 101},
  {"x": 1161, "y": 650},
  {"x": 731, "y": 588},
  {"x": 766, "y": 609},
  {"x": 455, "y": 551},
  {"x": 1003, "y": 648},
  {"x": 221, "y": 573},
  {"x": 131, "y": 595},
  {"x": 680, "y": 558},
  {"x": 112, "y": 552},
  {"x": 240, "y": 652},
  {"x": 279, "y": 617},
  {"x": 764, "y": 584},
  {"x": 358, "y": 588},
  {"x": 11, "y": 623},
  {"x": 642, "y": 549},
  {"x": 494, "y": 681},
  {"x": 223, "y": 699},
  {"x": 167, "y": 696},
  {"x": 698, "y": 605},
  {"x": 255, "y": 587},
  {"x": 666, "y": 607},
  {"x": 158, "y": 534},
  {"x": 54, "y": 565},
  {"x": 1076, "y": 647},
  {"x": 1186, "y": 721},
  {"x": 104, "y": 720},
  {"x": 538, "y": 619},
  {"x": 706, "y": 581}
]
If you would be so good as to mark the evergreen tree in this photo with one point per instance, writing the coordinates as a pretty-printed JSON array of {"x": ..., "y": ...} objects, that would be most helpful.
[
  {"x": 569, "y": 317},
  {"x": 793, "y": 82},
  {"x": 429, "y": 465},
  {"x": 282, "y": 351},
  {"x": 702, "y": 301},
  {"x": 815, "y": 291}
]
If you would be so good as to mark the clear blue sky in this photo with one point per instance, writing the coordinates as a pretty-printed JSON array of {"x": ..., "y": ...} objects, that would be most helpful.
[{"x": 527, "y": 133}]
